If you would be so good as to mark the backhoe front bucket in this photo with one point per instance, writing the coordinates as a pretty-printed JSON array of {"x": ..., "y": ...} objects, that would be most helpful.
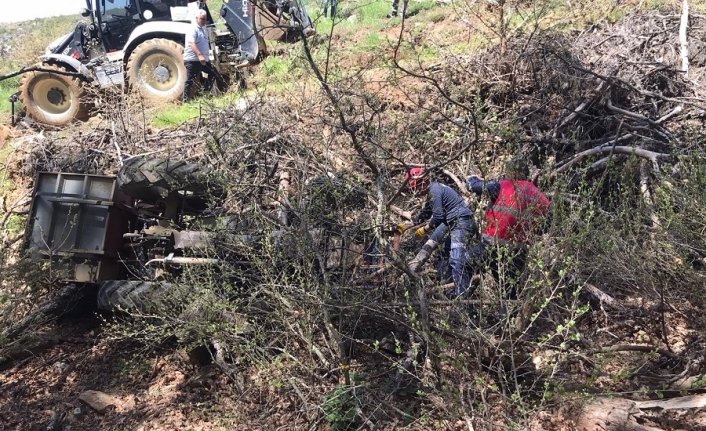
[{"x": 239, "y": 17}]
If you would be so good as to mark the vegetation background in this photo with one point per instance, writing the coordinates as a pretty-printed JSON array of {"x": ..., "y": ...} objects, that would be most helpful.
[{"x": 609, "y": 320}]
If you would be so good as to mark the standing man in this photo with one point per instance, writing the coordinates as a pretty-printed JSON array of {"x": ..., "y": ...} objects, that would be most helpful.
[
  {"x": 324, "y": 10},
  {"x": 196, "y": 57},
  {"x": 395, "y": 3},
  {"x": 445, "y": 206},
  {"x": 516, "y": 214}
]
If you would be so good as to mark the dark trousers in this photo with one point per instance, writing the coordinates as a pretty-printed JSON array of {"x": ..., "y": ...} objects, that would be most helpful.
[
  {"x": 395, "y": 4},
  {"x": 506, "y": 262},
  {"x": 462, "y": 231},
  {"x": 194, "y": 69},
  {"x": 325, "y": 8}
]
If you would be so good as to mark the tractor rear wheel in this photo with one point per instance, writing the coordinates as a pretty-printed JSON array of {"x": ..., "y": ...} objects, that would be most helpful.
[
  {"x": 53, "y": 99},
  {"x": 156, "y": 70},
  {"x": 130, "y": 294},
  {"x": 149, "y": 178}
]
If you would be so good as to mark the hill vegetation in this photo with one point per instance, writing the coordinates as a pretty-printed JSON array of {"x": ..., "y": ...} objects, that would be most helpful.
[{"x": 607, "y": 330}]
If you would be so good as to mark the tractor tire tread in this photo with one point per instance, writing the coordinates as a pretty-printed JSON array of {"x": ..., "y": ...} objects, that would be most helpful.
[{"x": 80, "y": 110}]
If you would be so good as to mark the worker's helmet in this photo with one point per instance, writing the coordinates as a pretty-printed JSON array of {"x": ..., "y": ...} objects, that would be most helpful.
[
  {"x": 517, "y": 169},
  {"x": 417, "y": 180}
]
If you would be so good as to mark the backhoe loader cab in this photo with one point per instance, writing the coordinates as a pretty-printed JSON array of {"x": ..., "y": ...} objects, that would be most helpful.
[{"x": 139, "y": 44}]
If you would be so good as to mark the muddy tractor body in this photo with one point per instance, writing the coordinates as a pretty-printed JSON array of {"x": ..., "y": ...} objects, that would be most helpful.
[
  {"x": 138, "y": 45},
  {"x": 125, "y": 235}
]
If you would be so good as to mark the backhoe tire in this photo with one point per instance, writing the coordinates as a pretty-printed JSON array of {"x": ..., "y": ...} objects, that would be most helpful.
[
  {"x": 156, "y": 70},
  {"x": 131, "y": 295},
  {"x": 53, "y": 99},
  {"x": 149, "y": 178}
]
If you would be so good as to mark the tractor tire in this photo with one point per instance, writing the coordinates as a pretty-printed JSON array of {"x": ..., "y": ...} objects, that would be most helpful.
[
  {"x": 130, "y": 295},
  {"x": 53, "y": 99},
  {"x": 156, "y": 70},
  {"x": 150, "y": 179}
]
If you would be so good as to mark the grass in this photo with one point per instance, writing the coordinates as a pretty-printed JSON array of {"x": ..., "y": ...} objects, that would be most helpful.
[
  {"x": 172, "y": 116},
  {"x": 7, "y": 89},
  {"x": 274, "y": 67}
]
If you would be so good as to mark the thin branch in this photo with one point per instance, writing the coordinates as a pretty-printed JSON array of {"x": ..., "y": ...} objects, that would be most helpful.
[
  {"x": 640, "y": 152},
  {"x": 636, "y": 348},
  {"x": 41, "y": 69}
]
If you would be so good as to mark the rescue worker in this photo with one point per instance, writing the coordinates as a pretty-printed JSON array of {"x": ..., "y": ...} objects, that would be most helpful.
[
  {"x": 516, "y": 214},
  {"x": 445, "y": 206}
]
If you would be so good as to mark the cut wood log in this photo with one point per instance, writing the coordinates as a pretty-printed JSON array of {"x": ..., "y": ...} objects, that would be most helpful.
[
  {"x": 687, "y": 402},
  {"x": 612, "y": 414}
]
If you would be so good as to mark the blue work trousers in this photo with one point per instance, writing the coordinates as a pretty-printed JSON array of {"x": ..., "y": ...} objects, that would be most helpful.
[{"x": 462, "y": 231}]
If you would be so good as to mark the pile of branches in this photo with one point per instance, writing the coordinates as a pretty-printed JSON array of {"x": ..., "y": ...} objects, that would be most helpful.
[{"x": 617, "y": 86}]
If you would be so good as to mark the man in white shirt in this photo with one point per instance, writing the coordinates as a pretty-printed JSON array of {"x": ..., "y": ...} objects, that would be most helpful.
[{"x": 196, "y": 50}]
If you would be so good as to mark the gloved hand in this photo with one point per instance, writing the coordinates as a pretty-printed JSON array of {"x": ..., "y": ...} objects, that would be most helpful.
[
  {"x": 419, "y": 233},
  {"x": 401, "y": 227}
]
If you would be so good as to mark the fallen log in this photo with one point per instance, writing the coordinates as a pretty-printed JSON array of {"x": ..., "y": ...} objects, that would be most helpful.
[
  {"x": 687, "y": 402},
  {"x": 612, "y": 414},
  {"x": 64, "y": 300}
]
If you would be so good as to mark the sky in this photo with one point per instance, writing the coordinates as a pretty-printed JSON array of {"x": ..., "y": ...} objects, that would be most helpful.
[{"x": 29, "y": 9}]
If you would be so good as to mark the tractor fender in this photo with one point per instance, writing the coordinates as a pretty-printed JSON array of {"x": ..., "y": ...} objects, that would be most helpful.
[
  {"x": 175, "y": 31},
  {"x": 70, "y": 62}
]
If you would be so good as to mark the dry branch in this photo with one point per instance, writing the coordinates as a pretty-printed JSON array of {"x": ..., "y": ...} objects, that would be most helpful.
[
  {"x": 636, "y": 348},
  {"x": 603, "y": 297},
  {"x": 647, "y": 196},
  {"x": 603, "y": 149},
  {"x": 576, "y": 111},
  {"x": 40, "y": 69},
  {"x": 684, "y": 44},
  {"x": 461, "y": 186}
]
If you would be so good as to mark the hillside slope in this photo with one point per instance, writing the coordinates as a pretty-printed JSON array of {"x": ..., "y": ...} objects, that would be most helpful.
[{"x": 607, "y": 327}]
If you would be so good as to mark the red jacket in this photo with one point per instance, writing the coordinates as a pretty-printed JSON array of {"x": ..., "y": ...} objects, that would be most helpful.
[{"x": 517, "y": 213}]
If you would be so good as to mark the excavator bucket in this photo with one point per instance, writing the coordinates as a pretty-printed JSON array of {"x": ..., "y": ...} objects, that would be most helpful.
[
  {"x": 281, "y": 19},
  {"x": 267, "y": 23}
]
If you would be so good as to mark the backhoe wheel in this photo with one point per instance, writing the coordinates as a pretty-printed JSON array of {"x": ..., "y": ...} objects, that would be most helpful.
[
  {"x": 156, "y": 70},
  {"x": 53, "y": 99},
  {"x": 130, "y": 295},
  {"x": 149, "y": 178}
]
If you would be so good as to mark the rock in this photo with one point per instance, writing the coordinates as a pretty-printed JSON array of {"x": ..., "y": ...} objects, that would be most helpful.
[
  {"x": 60, "y": 366},
  {"x": 76, "y": 415},
  {"x": 98, "y": 401}
]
